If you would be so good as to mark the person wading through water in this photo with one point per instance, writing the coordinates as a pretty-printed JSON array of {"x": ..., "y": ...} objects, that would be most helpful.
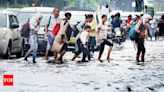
[
  {"x": 61, "y": 39},
  {"x": 50, "y": 23},
  {"x": 102, "y": 35},
  {"x": 92, "y": 37},
  {"x": 140, "y": 29},
  {"x": 82, "y": 43},
  {"x": 80, "y": 27},
  {"x": 34, "y": 28}
]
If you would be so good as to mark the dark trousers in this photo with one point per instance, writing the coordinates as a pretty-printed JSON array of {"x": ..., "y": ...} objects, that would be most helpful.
[
  {"x": 81, "y": 48},
  {"x": 141, "y": 47},
  {"x": 102, "y": 45},
  {"x": 91, "y": 44}
]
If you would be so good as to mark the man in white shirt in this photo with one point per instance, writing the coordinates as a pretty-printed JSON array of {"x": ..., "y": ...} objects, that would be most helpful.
[
  {"x": 51, "y": 22},
  {"x": 152, "y": 27}
]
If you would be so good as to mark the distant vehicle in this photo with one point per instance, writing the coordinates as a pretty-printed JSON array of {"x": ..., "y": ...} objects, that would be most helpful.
[
  {"x": 26, "y": 13},
  {"x": 119, "y": 36},
  {"x": 11, "y": 41},
  {"x": 129, "y": 7}
]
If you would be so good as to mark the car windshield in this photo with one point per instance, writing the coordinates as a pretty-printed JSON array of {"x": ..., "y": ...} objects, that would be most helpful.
[
  {"x": 3, "y": 20},
  {"x": 24, "y": 16},
  {"x": 126, "y": 5}
]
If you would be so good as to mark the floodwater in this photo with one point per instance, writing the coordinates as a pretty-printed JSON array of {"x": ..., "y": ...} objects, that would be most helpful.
[{"x": 121, "y": 75}]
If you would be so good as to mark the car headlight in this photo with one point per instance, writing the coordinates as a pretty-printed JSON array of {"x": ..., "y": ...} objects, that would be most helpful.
[{"x": 118, "y": 32}]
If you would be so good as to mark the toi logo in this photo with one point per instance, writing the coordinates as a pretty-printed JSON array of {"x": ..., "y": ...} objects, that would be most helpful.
[{"x": 8, "y": 80}]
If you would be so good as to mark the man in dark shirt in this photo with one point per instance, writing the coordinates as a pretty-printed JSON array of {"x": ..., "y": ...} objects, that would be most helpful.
[{"x": 117, "y": 21}]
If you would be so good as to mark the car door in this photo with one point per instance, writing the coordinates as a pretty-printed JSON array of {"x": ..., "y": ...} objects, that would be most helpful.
[
  {"x": 14, "y": 37},
  {"x": 17, "y": 34}
]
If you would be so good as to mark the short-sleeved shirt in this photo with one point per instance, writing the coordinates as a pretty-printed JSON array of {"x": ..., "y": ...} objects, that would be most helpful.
[
  {"x": 102, "y": 31},
  {"x": 153, "y": 23},
  {"x": 52, "y": 22},
  {"x": 84, "y": 37},
  {"x": 93, "y": 32},
  {"x": 116, "y": 23},
  {"x": 34, "y": 27}
]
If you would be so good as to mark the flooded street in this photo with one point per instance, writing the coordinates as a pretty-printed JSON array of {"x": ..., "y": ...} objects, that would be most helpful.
[{"x": 121, "y": 75}]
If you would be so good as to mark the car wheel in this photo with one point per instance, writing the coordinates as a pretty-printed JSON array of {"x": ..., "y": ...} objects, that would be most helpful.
[{"x": 8, "y": 53}]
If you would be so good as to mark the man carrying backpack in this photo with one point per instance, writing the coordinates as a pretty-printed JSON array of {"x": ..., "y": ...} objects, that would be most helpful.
[{"x": 51, "y": 22}]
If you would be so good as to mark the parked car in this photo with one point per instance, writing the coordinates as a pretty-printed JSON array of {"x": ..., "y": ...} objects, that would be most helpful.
[
  {"x": 26, "y": 13},
  {"x": 11, "y": 41}
]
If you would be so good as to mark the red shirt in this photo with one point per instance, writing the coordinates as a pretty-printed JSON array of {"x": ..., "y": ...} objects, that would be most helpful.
[{"x": 128, "y": 21}]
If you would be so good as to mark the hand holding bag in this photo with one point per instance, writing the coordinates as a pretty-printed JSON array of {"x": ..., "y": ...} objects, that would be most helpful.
[
  {"x": 56, "y": 29},
  {"x": 58, "y": 42}
]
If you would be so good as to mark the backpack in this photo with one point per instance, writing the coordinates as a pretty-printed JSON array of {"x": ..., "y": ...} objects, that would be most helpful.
[
  {"x": 25, "y": 31},
  {"x": 76, "y": 31},
  {"x": 132, "y": 32},
  {"x": 69, "y": 31}
]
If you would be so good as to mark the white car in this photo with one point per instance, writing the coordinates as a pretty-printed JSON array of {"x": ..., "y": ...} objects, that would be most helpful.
[{"x": 11, "y": 41}]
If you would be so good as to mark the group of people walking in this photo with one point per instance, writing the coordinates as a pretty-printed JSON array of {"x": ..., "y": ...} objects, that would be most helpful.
[{"x": 58, "y": 32}]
